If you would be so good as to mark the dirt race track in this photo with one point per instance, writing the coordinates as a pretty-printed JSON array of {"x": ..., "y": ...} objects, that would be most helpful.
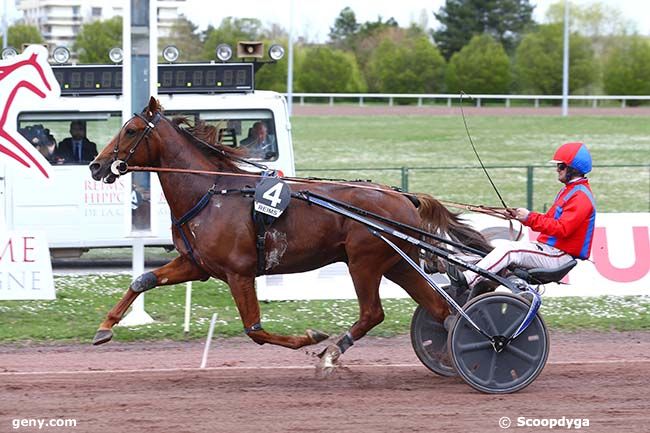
[{"x": 382, "y": 387}]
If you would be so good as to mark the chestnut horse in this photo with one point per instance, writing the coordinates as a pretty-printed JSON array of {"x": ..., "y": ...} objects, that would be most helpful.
[{"x": 220, "y": 240}]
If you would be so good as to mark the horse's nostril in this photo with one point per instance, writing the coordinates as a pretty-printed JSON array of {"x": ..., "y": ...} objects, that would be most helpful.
[{"x": 94, "y": 166}]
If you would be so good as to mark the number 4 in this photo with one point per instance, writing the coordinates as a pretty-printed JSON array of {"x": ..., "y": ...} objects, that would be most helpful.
[{"x": 273, "y": 194}]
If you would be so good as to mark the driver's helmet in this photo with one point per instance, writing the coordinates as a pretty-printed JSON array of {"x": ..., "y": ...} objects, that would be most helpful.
[{"x": 574, "y": 155}]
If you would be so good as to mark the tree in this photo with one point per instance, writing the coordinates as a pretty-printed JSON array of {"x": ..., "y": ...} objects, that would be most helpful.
[
  {"x": 323, "y": 69},
  {"x": 538, "y": 62},
  {"x": 274, "y": 76},
  {"x": 96, "y": 39},
  {"x": 627, "y": 70},
  {"x": 230, "y": 31},
  {"x": 406, "y": 65},
  {"x": 597, "y": 21},
  {"x": 184, "y": 36},
  {"x": 460, "y": 20},
  {"x": 344, "y": 31},
  {"x": 482, "y": 66},
  {"x": 20, "y": 34}
]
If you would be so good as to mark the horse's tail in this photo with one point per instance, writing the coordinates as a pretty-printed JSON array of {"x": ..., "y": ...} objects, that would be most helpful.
[{"x": 437, "y": 219}]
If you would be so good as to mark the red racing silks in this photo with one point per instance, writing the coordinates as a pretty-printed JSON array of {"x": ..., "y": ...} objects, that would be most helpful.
[{"x": 569, "y": 223}]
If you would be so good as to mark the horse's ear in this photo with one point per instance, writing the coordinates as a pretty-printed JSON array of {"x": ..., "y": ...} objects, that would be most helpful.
[{"x": 153, "y": 106}]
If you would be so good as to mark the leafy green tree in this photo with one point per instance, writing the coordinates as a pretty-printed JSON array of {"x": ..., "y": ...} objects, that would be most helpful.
[
  {"x": 599, "y": 22},
  {"x": 627, "y": 70},
  {"x": 20, "y": 34},
  {"x": 96, "y": 39},
  {"x": 185, "y": 37},
  {"x": 407, "y": 65},
  {"x": 230, "y": 31},
  {"x": 345, "y": 29},
  {"x": 538, "y": 62},
  {"x": 323, "y": 69},
  {"x": 482, "y": 66},
  {"x": 274, "y": 76},
  {"x": 460, "y": 20}
]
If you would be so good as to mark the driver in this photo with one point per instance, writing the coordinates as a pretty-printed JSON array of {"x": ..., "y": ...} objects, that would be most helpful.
[{"x": 565, "y": 231}]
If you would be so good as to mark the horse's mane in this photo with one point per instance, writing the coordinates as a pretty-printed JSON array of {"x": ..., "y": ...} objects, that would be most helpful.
[{"x": 205, "y": 137}]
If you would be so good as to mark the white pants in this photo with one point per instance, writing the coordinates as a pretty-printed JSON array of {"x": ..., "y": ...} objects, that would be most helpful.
[{"x": 521, "y": 253}]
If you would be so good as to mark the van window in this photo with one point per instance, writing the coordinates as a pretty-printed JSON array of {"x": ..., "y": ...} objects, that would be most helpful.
[
  {"x": 251, "y": 130},
  {"x": 69, "y": 138}
]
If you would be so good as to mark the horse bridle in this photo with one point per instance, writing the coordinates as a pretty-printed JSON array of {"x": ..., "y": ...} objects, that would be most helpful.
[{"x": 120, "y": 167}]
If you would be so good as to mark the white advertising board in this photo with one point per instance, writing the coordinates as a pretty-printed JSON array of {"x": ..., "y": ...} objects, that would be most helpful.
[
  {"x": 619, "y": 265},
  {"x": 25, "y": 267}
]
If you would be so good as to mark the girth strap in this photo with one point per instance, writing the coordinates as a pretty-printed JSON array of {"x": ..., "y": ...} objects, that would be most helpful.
[{"x": 196, "y": 209}]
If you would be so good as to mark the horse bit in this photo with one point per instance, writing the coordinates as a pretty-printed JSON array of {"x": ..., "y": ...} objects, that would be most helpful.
[{"x": 120, "y": 167}]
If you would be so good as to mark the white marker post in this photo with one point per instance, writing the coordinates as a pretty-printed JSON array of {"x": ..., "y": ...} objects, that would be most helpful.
[
  {"x": 137, "y": 316},
  {"x": 208, "y": 340},
  {"x": 188, "y": 307}
]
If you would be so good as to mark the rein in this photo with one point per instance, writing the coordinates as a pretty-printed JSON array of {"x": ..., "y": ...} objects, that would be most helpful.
[{"x": 496, "y": 212}]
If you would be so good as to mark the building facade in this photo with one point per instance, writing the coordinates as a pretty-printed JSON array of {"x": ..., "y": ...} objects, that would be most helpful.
[{"x": 59, "y": 21}]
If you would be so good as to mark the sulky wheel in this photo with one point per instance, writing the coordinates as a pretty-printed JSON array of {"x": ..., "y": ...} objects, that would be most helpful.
[
  {"x": 476, "y": 360},
  {"x": 429, "y": 340}
]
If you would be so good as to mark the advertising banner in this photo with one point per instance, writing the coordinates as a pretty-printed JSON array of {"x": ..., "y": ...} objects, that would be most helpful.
[
  {"x": 619, "y": 265},
  {"x": 25, "y": 267}
]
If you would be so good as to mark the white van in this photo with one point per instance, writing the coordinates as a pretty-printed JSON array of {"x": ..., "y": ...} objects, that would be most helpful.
[{"x": 78, "y": 213}]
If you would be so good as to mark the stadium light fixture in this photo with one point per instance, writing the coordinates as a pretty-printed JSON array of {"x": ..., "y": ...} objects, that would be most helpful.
[
  {"x": 171, "y": 53},
  {"x": 224, "y": 52},
  {"x": 8, "y": 53},
  {"x": 116, "y": 55},
  {"x": 276, "y": 52},
  {"x": 61, "y": 55}
]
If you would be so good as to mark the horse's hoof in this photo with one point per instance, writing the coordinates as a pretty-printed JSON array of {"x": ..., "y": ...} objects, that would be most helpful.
[
  {"x": 328, "y": 361},
  {"x": 317, "y": 336},
  {"x": 102, "y": 336}
]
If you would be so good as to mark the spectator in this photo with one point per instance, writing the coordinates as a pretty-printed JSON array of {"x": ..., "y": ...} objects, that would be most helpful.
[
  {"x": 77, "y": 148},
  {"x": 259, "y": 143}
]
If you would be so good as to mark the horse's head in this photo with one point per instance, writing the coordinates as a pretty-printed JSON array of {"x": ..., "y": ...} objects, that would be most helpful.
[{"x": 137, "y": 143}]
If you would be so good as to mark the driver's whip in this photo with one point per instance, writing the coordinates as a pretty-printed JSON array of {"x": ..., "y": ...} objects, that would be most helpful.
[{"x": 476, "y": 153}]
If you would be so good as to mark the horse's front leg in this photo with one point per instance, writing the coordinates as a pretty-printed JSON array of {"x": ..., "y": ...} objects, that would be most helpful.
[
  {"x": 179, "y": 270},
  {"x": 243, "y": 292}
]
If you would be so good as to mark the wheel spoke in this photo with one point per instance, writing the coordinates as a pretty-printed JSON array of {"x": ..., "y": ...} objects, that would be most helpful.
[
  {"x": 470, "y": 347},
  {"x": 489, "y": 321},
  {"x": 513, "y": 327},
  {"x": 521, "y": 354},
  {"x": 492, "y": 367}
]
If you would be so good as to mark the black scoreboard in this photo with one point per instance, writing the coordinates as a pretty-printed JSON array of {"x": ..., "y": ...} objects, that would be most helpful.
[{"x": 172, "y": 78}]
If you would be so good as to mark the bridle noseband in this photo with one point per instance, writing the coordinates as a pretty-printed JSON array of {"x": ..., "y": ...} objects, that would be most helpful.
[{"x": 120, "y": 167}]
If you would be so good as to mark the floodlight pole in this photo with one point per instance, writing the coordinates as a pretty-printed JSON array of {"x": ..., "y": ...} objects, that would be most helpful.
[
  {"x": 4, "y": 25},
  {"x": 139, "y": 28},
  {"x": 565, "y": 64},
  {"x": 290, "y": 61}
]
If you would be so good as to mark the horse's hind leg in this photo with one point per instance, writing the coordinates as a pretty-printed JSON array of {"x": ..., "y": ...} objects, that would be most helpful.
[
  {"x": 414, "y": 284},
  {"x": 243, "y": 292},
  {"x": 366, "y": 279},
  {"x": 179, "y": 270}
]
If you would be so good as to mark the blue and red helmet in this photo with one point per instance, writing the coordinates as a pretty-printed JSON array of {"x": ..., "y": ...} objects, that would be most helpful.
[{"x": 574, "y": 155}]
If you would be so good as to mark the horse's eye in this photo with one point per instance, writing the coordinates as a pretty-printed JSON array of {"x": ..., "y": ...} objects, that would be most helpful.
[{"x": 130, "y": 132}]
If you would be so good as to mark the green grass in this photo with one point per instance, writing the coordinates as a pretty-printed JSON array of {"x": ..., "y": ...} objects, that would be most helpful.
[
  {"x": 82, "y": 302},
  {"x": 433, "y": 145}
]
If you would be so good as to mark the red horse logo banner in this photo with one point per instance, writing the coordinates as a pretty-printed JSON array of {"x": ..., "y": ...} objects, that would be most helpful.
[{"x": 25, "y": 81}]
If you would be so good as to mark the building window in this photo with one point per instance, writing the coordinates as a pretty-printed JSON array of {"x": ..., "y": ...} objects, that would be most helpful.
[
  {"x": 96, "y": 12},
  {"x": 75, "y": 10}
]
